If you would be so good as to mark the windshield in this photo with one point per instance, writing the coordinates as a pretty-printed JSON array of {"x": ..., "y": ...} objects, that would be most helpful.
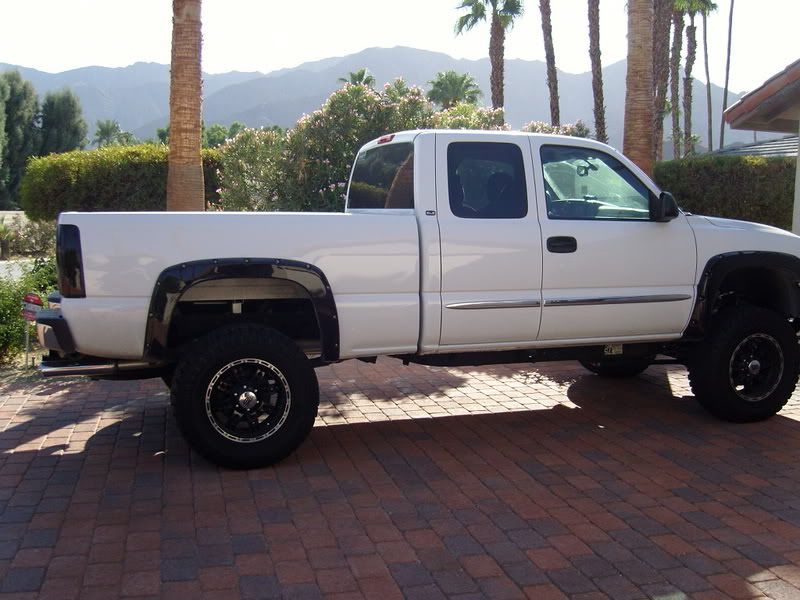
[{"x": 383, "y": 177}]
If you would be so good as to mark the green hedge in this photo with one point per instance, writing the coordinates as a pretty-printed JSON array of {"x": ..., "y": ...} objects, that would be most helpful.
[
  {"x": 738, "y": 187},
  {"x": 114, "y": 178}
]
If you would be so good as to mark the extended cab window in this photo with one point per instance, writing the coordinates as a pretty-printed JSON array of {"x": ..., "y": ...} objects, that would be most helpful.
[
  {"x": 486, "y": 180},
  {"x": 383, "y": 177},
  {"x": 581, "y": 183}
]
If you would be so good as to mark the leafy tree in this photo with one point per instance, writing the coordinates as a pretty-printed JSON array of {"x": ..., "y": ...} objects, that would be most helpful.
[
  {"x": 550, "y": 58},
  {"x": 126, "y": 138},
  {"x": 450, "y": 88},
  {"x": 360, "y": 77},
  {"x": 236, "y": 127},
  {"x": 502, "y": 14},
  {"x": 62, "y": 127},
  {"x": 251, "y": 170},
  {"x": 163, "y": 134},
  {"x": 214, "y": 136},
  {"x": 185, "y": 189},
  {"x": 106, "y": 133},
  {"x": 21, "y": 110}
]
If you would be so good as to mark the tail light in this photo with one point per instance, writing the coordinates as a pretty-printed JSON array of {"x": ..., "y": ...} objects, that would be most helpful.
[{"x": 70, "y": 262}]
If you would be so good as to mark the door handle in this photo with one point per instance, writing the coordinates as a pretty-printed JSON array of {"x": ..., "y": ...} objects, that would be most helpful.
[{"x": 562, "y": 244}]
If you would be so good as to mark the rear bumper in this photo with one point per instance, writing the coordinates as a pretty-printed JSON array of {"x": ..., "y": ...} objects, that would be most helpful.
[{"x": 53, "y": 331}]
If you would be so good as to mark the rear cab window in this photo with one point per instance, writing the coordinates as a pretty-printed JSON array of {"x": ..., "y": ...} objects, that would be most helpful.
[
  {"x": 383, "y": 178},
  {"x": 486, "y": 180}
]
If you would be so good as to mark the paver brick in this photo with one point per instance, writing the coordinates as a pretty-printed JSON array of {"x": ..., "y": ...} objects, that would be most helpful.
[{"x": 416, "y": 482}]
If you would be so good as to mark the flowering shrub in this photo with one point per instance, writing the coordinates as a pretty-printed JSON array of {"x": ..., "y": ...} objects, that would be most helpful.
[
  {"x": 577, "y": 129},
  {"x": 250, "y": 170},
  {"x": 470, "y": 116}
]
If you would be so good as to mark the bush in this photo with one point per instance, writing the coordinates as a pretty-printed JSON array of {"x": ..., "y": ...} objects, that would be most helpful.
[
  {"x": 30, "y": 238},
  {"x": 40, "y": 279},
  {"x": 738, "y": 187},
  {"x": 469, "y": 116},
  {"x": 113, "y": 178},
  {"x": 577, "y": 129}
]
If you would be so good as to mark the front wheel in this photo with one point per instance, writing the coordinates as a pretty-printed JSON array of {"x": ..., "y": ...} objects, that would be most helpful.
[
  {"x": 245, "y": 396},
  {"x": 747, "y": 368}
]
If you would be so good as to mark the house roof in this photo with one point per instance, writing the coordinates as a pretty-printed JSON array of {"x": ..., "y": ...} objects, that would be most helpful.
[
  {"x": 786, "y": 146},
  {"x": 774, "y": 106}
]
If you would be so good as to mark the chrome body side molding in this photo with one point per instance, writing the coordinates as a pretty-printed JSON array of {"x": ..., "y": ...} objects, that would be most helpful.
[
  {"x": 617, "y": 300},
  {"x": 484, "y": 304}
]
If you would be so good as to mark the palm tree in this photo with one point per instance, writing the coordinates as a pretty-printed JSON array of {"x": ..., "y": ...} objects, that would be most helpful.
[
  {"x": 662, "y": 15},
  {"x": 503, "y": 14},
  {"x": 709, "y": 7},
  {"x": 360, "y": 77},
  {"x": 689, "y": 7},
  {"x": 550, "y": 57},
  {"x": 450, "y": 88},
  {"x": 727, "y": 76},
  {"x": 638, "y": 136},
  {"x": 674, "y": 79},
  {"x": 597, "y": 71},
  {"x": 185, "y": 189},
  {"x": 107, "y": 132}
]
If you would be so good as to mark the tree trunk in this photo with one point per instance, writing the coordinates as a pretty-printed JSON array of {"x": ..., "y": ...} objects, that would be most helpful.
[
  {"x": 708, "y": 83},
  {"x": 496, "y": 52},
  {"x": 550, "y": 57},
  {"x": 638, "y": 137},
  {"x": 727, "y": 76},
  {"x": 662, "y": 14},
  {"x": 185, "y": 189},
  {"x": 674, "y": 81},
  {"x": 691, "y": 56},
  {"x": 597, "y": 72}
]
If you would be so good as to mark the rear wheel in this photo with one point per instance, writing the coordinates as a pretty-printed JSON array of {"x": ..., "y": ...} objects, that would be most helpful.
[
  {"x": 245, "y": 396},
  {"x": 618, "y": 367},
  {"x": 747, "y": 368}
]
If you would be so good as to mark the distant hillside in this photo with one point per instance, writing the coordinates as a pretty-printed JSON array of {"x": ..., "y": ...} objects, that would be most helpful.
[{"x": 137, "y": 96}]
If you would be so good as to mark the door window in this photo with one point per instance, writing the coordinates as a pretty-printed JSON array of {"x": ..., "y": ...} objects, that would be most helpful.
[
  {"x": 486, "y": 180},
  {"x": 582, "y": 183}
]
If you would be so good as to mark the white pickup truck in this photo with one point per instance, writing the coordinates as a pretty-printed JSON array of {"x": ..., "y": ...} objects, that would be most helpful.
[{"x": 456, "y": 248}]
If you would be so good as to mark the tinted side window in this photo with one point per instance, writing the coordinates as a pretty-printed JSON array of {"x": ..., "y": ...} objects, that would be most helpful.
[
  {"x": 383, "y": 178},
  {"x": 581, "y": 183},
  {"x": 486, "y": 180}
]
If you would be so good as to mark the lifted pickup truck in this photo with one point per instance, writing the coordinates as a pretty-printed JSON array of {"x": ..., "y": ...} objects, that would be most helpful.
[{"x": 456, "y": 248}]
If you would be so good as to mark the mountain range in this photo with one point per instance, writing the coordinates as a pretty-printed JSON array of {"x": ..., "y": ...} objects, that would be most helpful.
[{"x": 137, "y": 96}]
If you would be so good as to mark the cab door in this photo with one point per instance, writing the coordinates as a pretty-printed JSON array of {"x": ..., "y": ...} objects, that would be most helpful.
[
  {"x": 610, "y": 272},
  {"x": 490, "y": 241}
]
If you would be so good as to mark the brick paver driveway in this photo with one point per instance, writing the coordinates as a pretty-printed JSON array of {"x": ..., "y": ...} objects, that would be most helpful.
[{"x": 492, "y": 482}]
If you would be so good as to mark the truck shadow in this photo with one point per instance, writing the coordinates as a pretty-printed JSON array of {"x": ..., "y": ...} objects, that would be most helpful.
[{"x": 623, "y": 483}]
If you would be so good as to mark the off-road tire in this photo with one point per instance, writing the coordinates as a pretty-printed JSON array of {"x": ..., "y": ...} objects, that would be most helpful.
[
  {"x": 718, "y": 364},
  {"x": 224, "y": 353},
  {"x": 617, "y": 368}
]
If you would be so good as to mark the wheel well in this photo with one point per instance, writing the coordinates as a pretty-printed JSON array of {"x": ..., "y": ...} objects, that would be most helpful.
[
  {"x": 770, "y": 288},
  {"x": 280, "y": 304}
]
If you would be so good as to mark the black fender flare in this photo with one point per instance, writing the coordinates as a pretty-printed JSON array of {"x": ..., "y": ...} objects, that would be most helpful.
[
  {"x": 720, "y": 266},
  {"x": 174, "y": 281}
]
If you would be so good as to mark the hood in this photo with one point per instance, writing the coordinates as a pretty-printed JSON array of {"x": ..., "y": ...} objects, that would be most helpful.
[{"x": 744, "y": 225}]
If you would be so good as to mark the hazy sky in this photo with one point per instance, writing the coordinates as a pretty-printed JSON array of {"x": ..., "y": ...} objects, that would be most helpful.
[{"x": 263, "y": 35}]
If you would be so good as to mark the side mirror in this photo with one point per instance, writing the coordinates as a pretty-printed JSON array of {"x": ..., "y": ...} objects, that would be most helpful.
[{"x": 663, "y": 208}]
